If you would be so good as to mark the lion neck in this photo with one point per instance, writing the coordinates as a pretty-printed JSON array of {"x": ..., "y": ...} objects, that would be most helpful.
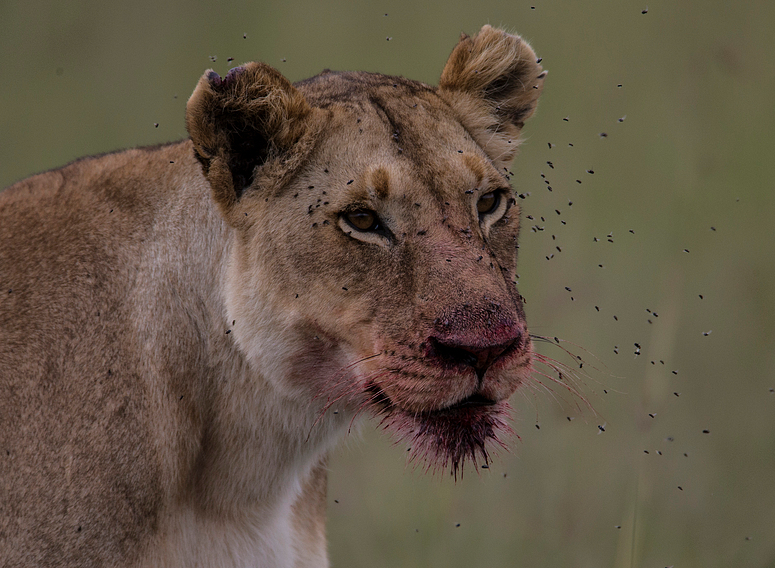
[{"x": 247, "y": 440}]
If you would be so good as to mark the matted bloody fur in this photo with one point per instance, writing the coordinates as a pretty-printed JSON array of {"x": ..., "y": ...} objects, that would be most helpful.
[{"x": 187, "y": 330}]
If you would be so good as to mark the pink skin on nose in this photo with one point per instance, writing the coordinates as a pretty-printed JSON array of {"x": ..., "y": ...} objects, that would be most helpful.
[{"x": 477, "y": 341}]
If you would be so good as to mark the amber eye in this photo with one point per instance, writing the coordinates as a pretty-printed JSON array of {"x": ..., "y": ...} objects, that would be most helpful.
[
  {"x": 488, "y": 203},
  {"x": 363, "y": 220}
]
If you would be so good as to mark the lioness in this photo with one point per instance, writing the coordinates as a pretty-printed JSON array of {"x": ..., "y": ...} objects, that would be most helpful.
[{"x": 187, "y": 330}]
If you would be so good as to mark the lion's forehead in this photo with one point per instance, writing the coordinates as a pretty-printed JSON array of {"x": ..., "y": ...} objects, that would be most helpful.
[{"x": 395, "y": 139}]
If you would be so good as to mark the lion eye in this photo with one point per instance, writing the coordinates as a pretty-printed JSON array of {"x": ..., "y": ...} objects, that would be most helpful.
[
  {"x": 488, "y": 203},
  {"x": 363, "y": 220}
]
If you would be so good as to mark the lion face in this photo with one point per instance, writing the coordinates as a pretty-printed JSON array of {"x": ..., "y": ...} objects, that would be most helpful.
[{"x": 374, "y": 261}]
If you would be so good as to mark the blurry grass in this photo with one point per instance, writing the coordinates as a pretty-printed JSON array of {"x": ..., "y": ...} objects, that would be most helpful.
[{"x": 693, "y": 152}]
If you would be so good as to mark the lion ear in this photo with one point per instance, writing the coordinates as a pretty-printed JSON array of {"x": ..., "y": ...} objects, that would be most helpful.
[
  {"x": 493, "y": 82},
  {"x": 241, "y": 121}
]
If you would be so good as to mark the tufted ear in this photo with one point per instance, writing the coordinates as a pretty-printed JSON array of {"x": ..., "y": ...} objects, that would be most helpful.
[
  {"x": 240, "y": 122},
  {"x": 493, "y": 82}
]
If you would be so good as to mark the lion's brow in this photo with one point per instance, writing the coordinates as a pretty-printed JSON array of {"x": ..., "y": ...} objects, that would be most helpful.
[{"x": 380, "y": 181}]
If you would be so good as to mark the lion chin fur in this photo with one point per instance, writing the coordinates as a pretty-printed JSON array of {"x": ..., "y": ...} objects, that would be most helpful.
[{"x": 187, "y": 330}]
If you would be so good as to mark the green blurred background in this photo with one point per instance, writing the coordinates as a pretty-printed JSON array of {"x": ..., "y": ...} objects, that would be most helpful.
[{"x": 694, "y": 151}]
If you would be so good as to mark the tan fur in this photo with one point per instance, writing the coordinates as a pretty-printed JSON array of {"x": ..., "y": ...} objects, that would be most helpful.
[{"x": 187, "y": 330}]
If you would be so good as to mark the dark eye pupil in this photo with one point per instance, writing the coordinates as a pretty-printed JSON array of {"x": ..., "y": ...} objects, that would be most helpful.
[
  {"x": 487, "y": 203},
  {"x": 362, "y": 220}
]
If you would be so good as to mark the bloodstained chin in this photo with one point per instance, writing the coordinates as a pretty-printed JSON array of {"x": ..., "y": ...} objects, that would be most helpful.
[{"x": 446, "y": 439}]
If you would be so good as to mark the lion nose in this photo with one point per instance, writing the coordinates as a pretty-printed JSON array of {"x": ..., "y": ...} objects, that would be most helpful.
[{"x": 479, "y": 356}]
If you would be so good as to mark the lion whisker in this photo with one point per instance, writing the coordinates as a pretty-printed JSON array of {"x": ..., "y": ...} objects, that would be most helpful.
[{"x": 568, "y": 387}]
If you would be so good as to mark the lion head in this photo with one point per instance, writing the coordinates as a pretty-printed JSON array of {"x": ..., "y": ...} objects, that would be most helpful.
[{"x": 376, "y": 238}]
